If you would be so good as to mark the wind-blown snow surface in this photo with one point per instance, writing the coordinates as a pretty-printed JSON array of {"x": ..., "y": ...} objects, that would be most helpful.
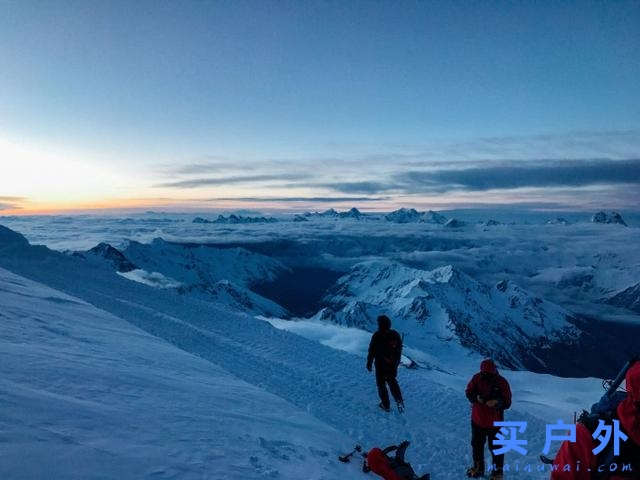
[
  {"x": 74, "y": 376},
  {"x": 87, "y": 395}
]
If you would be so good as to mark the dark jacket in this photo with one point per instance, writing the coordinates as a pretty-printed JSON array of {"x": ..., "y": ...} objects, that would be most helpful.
[
  {"x": 488, "y": 385},
  {"x": 385, "y": 350}
]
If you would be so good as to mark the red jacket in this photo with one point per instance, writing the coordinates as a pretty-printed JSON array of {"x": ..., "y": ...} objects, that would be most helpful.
[
  {"x": 489, "y": 385},
  {"x": 571, "y": 453},
  {"x": 581, "y": 451},
  {"x": 629, "y": 408},
  {"x": 380, "y": 464}
]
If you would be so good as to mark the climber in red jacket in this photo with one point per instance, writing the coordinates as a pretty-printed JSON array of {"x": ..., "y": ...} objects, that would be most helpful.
[
  {"x": 490, "y": 395},
  {"x": 576, "y": 460},
  {"x": 391, "y": 468}
]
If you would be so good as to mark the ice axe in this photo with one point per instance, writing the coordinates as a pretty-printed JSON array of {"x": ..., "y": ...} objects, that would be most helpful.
[
  {"x": 347, "y": 458},
  {"x": 611, "y": 386}
]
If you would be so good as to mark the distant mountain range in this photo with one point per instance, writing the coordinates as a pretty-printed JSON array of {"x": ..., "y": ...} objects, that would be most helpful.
[{"x": 436, "y": 307}]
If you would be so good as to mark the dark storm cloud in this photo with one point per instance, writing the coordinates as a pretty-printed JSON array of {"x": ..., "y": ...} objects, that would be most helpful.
[{"x": 204, "y": 182}]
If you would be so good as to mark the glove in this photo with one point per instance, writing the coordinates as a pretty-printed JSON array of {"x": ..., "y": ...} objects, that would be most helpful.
[
  {"x": 369, "y": 366},
  {"x": 492, "y": 403}
]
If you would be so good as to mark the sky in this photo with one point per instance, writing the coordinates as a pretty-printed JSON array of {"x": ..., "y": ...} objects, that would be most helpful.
[{"x": 317, "y": 104}]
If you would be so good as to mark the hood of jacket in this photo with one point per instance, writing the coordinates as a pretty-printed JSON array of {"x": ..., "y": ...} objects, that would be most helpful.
[{"x": 488, "y": 366}]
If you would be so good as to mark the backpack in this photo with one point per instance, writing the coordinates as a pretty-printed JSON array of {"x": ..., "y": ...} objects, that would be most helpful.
[{"x": 605, "y": 409}]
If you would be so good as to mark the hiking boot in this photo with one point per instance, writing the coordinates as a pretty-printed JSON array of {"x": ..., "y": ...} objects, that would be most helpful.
[
  {"x": 475, "y": 472},
  {"x": 386, "y": 409}
]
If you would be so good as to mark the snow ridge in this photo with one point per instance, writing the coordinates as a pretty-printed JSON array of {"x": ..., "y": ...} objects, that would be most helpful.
[{"x": 444, "y": 305}]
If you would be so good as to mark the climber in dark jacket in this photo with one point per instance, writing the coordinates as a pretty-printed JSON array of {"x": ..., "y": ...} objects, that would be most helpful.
[{"x": 385, "y": 351}]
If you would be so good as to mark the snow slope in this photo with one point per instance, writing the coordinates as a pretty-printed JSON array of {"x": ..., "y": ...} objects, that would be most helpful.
[
  {"x": 559, "y": 396},
  {"x": 220, "y": 274},
  {"x": 86, "y": 395},
  {"x": 628, "y": 298},
  {"x": 328, "y": 383}
]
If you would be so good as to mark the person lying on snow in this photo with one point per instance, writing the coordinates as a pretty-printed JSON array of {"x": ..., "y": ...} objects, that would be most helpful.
[
  {"x": 391, "y": 468},
  {"x": 576, "y": 460}
]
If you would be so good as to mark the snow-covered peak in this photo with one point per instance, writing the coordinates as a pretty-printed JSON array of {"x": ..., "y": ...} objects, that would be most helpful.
[
  {"x": 411, "y": 215},
  {"x": 628, "y": 298},
  {"x": 434, "y": 217},
  {"x": 236, "y": 219},
  {"x": 404, "y": 215},
  {"x": 608, "y": 217},
  {"x": 558, "y": 221},
  {"x": 114, "y": 256},
  {"x": 386, "y": 273},
  {"x": 191, "y": 264},
  {"x": 331, "y": 212},
  {"x": 352, "y": 213},
  {"x": 223, "y": 275},
  {"x": 454, "y": 223},
  {"x": 445, "y": 304}
]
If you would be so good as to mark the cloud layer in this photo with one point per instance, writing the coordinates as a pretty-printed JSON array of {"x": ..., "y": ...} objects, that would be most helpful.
[
  {"x": 11, "y": 203},
  {"x": 247, "y": 179},
  {"x": 569, "y": 169}
]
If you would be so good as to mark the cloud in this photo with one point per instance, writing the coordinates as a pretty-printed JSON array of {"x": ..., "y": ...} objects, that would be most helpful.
[
  {"x": 12, "y": 199},
  {"x": 563, "y": 168},
  {"x": 11, "y": 203},
  {"x": 200, "y": 168},
  {"x": 613, "y": 144},
  {"x": 297, "y": 199},
  {"x": 204, "y": 182},
  {"x": 519, "y": 175},
  {"x": 359, "y": 187},
  {"x": 494, "y": 175},
  {"x": 9, "y": 206}
]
